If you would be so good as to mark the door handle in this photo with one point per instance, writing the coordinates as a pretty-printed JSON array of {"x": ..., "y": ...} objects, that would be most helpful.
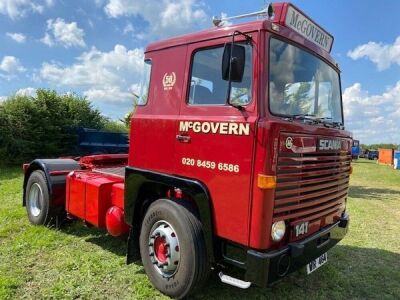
[{"x": 183, "y": 138}]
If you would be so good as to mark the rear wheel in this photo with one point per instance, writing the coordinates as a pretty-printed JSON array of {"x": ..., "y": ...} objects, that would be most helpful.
[
  {"x": 37, "y": 199},
  {"x": 172, "y": 248}
]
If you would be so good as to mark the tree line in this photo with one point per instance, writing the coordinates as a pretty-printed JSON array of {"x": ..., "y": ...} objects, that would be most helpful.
[
  {"x": 45, "y": 125},
  {"x": 378, "y": 146}
]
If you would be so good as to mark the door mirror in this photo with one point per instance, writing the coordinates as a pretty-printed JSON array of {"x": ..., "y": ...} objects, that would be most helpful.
[{"x": 234, "y": 65}]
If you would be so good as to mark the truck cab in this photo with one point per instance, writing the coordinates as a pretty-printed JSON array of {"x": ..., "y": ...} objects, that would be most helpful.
[
  {"x": 274, "y": 151},
  {"x": 355, "y": 149},
  {"x": 238, "y": 156}
]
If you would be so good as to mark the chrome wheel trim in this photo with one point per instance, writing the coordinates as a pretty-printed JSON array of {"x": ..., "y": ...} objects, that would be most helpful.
[
  {"x": 35, "y": 199},
  {"x": 165, "y": 267}
]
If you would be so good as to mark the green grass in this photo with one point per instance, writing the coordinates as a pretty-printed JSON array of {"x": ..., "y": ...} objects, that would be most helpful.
[{"x": 80, "y": 262}]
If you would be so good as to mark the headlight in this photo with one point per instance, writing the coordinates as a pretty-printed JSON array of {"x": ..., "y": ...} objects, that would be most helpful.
[{"x": 278, "y": 230}]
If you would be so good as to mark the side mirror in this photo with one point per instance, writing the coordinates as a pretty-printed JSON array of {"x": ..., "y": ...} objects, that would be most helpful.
[{"x": 236, "y": 64}]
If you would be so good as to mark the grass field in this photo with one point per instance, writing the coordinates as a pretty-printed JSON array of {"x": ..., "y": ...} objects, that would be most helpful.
[{"x": 78, "y": 262}]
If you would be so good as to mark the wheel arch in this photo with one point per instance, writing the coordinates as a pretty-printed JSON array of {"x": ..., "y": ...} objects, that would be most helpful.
[
  {"x": 138, "y": 182},
  {"x": 56, "y": 181}
]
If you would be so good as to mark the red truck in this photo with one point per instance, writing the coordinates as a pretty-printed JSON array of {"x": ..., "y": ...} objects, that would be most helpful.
[{"x": 238, "y": 158}]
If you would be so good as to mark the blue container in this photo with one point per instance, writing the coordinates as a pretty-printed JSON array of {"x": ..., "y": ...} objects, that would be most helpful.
[{"x": 396, "y": 160}]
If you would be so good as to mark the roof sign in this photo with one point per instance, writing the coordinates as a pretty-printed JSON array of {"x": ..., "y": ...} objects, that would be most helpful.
[{"x": 300, "y": 23}]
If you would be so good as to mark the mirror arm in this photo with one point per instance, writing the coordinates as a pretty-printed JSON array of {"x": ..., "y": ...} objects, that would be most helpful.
[
  {"x": 247, "y": 36},
  {"x": 228, "y": 92},
  {"x": 248, "y": 39}
]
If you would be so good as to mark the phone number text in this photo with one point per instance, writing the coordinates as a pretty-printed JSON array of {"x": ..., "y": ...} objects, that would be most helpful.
[{"x": 207, "y": 164}]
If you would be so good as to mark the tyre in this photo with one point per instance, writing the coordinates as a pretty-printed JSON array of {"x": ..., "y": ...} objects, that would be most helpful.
[
  {"x": 173, "y": 249},
  {"x": 37, "y": 199}
]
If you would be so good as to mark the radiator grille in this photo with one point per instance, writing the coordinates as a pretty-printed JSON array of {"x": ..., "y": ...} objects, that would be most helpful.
[{"x": 311, "y": 185}]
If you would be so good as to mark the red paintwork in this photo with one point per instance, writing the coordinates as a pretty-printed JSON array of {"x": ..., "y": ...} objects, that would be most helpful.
[
  {"x": 117, "y": 195},
  {"x": 75, "y": 194},
  {"x": 89, "y": 195},
  {"x": 160, "y": 249},
  {"x": 103, "y": 160},
  {"x": 115, "y": 223},
  {"x": 242, "y": 212}
]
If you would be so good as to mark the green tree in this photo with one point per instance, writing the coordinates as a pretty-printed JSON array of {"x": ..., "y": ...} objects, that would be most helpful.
[
  {"x": 43, "y": 126},
  {"x": 115, "y": 126},
  {"x": 127, "y": 119}
]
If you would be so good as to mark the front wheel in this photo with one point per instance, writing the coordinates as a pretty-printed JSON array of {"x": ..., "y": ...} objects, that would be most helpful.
[{"x": 173, "y": 249}]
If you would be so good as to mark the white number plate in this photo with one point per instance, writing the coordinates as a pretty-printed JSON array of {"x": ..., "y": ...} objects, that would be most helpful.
[{"x": 316, "y": 263}]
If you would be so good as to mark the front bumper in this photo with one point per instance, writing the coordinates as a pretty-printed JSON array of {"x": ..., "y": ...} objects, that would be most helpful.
[{"x": 263, "y": 268}]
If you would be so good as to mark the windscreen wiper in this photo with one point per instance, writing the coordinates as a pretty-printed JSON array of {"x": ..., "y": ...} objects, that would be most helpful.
[
  {"x": 326, "y": 121},
  {"x": 338, "y": 125},
  {"x": 305, "y": 117},
  {"x": 330, "y": 122}
]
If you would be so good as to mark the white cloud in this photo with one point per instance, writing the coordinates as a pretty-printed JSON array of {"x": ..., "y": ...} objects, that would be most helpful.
[
  {"x": 49, "y": 3},
  {"x": 19, "y": 8},
  {"x": 11, "y": 65},
  {"x": 18, "y": 37},
  {"x": 29, "y": 91},
  {"x": 128, "y": 28},
  {"x": 47, "y": 40},
  {"x": 136, "y": 34},
  {"x": 373, "y": 118},
  {"x": 165, "y": 18},
  {"x": 383, "y": 55},
  {"x": 105, "y": 76},
  {"x": 108, "y": 94},
  {"x": 62, "y": 33},
  {"x": 3, "y": 98},
  {"x": 99, "y": 2}
]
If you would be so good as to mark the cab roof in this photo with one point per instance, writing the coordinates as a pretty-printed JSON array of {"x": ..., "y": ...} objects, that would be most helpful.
[
  {"x": 276, "y": 26},
  {"x": 207, "y": 34}
]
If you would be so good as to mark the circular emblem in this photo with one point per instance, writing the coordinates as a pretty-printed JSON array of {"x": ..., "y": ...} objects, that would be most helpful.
[
  {"x": 169, "y": 81},
  {"x": 289, "y": 142}
]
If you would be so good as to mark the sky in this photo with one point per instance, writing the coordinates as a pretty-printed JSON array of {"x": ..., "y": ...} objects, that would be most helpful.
[{"x": 94, "y": 48}]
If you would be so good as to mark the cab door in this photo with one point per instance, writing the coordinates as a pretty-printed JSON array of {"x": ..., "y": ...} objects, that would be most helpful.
[
  {"x": 215, "y": 141},
  {"x": 153, "y": 126}
]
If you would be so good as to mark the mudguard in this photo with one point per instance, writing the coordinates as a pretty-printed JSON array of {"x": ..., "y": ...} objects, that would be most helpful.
[
  {"x": 136, "y": 178},
  {"x": 55, "y": 171}
]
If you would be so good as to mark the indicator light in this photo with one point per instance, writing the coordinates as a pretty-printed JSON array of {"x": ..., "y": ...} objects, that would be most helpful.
[{"x": 266, "y": 182}]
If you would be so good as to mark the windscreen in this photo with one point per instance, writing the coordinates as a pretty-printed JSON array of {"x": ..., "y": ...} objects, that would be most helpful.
[{"x": 301, "y": 85}]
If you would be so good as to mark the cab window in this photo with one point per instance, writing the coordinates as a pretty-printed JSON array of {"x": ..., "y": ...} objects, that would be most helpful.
[
  {"x": 206, "y": 84},
  {"x": 301, "y": 84},
  {"x": 144, "y": 83}
]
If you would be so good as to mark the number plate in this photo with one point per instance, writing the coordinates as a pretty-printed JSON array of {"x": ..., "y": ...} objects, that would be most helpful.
[{"x": 316, "y": 263}]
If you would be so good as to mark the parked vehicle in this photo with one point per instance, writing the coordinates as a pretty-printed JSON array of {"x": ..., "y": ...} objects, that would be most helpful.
[
  {"x": 373, "y": 154},
  {"x": 229, "y": 166},
  {"x": 93, "y": 141},
  {"x": 355, "y": 149}
]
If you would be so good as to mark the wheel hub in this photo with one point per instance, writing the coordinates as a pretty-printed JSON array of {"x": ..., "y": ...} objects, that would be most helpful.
[
  {"x": 160, "y": 249},
  {"x": 164, "y": 248}
]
